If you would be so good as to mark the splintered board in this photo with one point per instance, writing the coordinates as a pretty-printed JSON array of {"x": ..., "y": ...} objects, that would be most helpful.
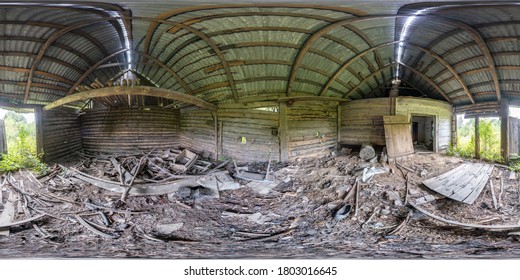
[{"x": 463, "y": 183}]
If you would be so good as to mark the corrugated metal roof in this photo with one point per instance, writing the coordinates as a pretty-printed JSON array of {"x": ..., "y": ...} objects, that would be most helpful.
[{"x": 254, "y": 49}]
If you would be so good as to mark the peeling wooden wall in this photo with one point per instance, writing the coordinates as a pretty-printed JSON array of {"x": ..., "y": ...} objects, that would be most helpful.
[
  {"x": 362, "y": 121},
  {"x": 126, "y": 130},
  {"x": 61, "y": 135},
  {"x": 250, "y": 133},
  {"x": 197, "y": 130},
  {"x": 428, "y": 107},
  {"x": 246, "y": 133},
  {"x": 312, "y": 128},
  {"x": 514, "y": 135}
]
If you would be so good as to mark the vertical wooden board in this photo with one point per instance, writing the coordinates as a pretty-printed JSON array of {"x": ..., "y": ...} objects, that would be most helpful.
[
  {"x": 477, "y": 138},
  {"x": 61, "y": 133},
  {"x": 3, "y": 140},
  {"x": 398, "y": 138},
  {"x": 504, "y": 129},
  {"x": 283, "y": 133}
]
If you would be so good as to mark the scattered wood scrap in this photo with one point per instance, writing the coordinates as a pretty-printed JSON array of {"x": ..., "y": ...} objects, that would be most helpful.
[
  {"x": 463, "y": 183},
  {"x": 465, "y": 225}
]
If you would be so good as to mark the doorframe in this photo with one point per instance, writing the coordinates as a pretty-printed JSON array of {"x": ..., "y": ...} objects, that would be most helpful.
[{"x": 434, "y": 127}]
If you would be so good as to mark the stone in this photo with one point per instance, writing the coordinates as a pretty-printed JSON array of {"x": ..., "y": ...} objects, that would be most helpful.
[
  {"x": 385, "y": 212},
  {"x": 169, "y": 228}
]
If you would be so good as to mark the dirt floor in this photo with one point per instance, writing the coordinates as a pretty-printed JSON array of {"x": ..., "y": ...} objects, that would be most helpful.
[{"x": 295, "y": 216}]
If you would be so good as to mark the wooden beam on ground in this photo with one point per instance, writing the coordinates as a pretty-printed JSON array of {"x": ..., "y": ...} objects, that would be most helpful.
[{"x": 136, "y": 90}]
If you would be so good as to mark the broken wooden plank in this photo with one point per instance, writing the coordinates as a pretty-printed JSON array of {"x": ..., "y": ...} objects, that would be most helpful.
[
  {"x": 493, "y": 196},
  {"x": 463, "y": 183},
  {"x": 8, "y": 214},
  {"x": 92, "y": 229},
  {"x": 435, "y": 217},
  {"x": 21, "y": 222}
]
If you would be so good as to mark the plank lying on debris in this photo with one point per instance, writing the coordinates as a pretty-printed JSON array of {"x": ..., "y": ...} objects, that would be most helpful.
[
  {"x": 143, "y": 189},
  {"x": 463, "y": 183},
  {"x": 21, "y": 222},
  {"x": 477, "y": 226}
]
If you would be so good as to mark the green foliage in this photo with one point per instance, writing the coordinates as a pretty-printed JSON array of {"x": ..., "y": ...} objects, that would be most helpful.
[
  {"x": 21, "y": 145},
  {"x": 489, "y": 130}
]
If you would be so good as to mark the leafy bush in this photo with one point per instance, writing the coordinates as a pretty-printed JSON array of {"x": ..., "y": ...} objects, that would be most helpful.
[
  {"x": 21, "y": 145},
  {"x": 489, "y": 130}
]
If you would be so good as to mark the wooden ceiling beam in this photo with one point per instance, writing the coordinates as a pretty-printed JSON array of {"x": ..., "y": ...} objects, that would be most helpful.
[
  {"x": 135, "y": 91},
  {"x": 154, "y": 25},
  {"x": 155, "y": 60}
]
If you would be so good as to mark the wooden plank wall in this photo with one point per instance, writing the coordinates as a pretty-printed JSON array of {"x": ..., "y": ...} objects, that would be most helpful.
[
  {"x": 312, "y": 128},
  {"x": 61, "y": 134},
  {"x": 127, "y": 130},
  {"x": 197, "y": 130},
  {"x": 514, "y": 135},
  {"x": 425, "y": 107},
  {"x": 362, "y": 121},
  {"x": 253, "y": 121}
]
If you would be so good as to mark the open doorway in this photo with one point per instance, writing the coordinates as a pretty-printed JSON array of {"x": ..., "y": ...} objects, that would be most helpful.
[
  {"x": 18, "y": 139},
  {"x": 423, "y": 132}
]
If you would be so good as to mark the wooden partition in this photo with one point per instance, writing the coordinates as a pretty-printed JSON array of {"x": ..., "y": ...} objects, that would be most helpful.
[
  {"x": 362, "y": 121},
  {"x": 442, "y": 112},
  {"x": 128, "y": 130},
  {"x": 197, "y": 130},
  {"x": 311, "y": 128},
  {"x": 60, "y": 133}
]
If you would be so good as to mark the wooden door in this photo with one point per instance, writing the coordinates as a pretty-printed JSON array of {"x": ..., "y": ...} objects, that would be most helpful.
[{"x": 398, "y": 136}]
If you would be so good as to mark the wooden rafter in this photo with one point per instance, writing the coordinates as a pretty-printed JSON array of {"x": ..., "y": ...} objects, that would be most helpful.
[
  {"x": 40, "y": 73},
  {"x": 424, "y": 77},
  {"x": 153, "y": 59},
  {"x": 153, "y": 26},
  {"x": 477, "y": 38},
  {"x": 55, "y": 36},
  {"x": 429, "y": 52},
  {"x": 135, "y": 90}
]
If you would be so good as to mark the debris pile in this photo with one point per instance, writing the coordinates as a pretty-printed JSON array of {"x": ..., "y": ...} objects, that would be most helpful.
[{"x": 331, "y": 206}]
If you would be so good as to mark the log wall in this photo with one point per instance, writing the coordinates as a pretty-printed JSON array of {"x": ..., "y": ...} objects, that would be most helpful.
[
  {"x": 61, "y": 135},
  {"x": 250, "y": 133},
  {"x": 362, "y": 121},
  {"x": 127, "y": 130},
  {"x": 428, "y": 107},
  {"x": 197, "y": 130},
  {"x": 246, "y": 133},
  {"x": 312, "y": 128}
]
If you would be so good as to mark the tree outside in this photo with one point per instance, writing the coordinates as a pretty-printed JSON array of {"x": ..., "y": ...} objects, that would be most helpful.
[
  {"x": 21, "y": 144},
  {"x": 489, "y": 130}
]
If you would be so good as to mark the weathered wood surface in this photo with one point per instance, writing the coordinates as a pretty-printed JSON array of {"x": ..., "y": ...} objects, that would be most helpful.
[
  {"x": 197, "y": 132},
  {"x": 312, "y": 128},
  {"x": 135, "y": 91},
  {"x": 362, "y": 121},
  {"x": 3, "y": 142},
  {"x": 428, "y": 107},
  {"x": 463, "y": 183},
  {"x": 514, "y": 135},
  {"x": 61, "y": 134},
  {"x": 398, "y": 136},
  {"x": 127, "y": 130}
]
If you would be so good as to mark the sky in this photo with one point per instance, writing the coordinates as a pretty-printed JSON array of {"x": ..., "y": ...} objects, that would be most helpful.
[{"x": 29, "y": 116}]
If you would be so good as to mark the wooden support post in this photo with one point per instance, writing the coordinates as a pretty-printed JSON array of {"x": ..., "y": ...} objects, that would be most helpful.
[
  {"x": 215, "y": 120},
  {"x": 477, "y": 138},
  {"x": 453, "y": 129},
  {"x": 339, "y": 118},
  {"x": 38, "y": 117},
  {"x": 283, "y": 132},
  {"x": 504, "y": 129}
]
